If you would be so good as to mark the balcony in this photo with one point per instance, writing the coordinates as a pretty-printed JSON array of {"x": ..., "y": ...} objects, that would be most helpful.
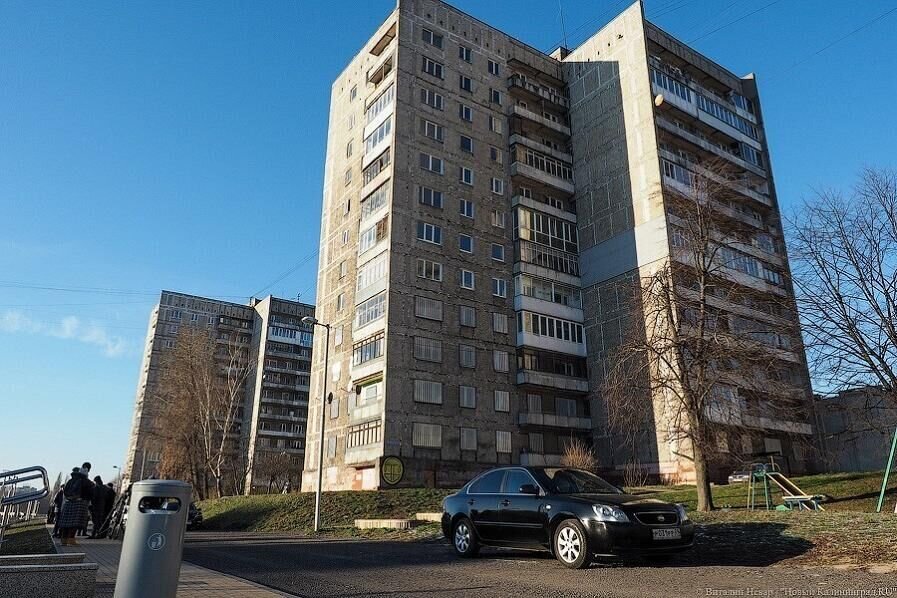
[
  {"x": 540, "y": 120},
  {"x": 686, "y": 171},
  {"x": 551, "y": 380},
  {"x": 381, "y": 70},
  {"x": 537, "y": 92},
  {"x": 547, "y": 257},
  {"x": 712, "y": 148},
  {"x": 551, "y": 420}
]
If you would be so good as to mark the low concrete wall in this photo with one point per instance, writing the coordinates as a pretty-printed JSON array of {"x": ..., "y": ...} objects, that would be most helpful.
[
  {"x": 385, "y": 523},
  {"x": 69, "y": 558},
  {"x": 45, "y": 581}
]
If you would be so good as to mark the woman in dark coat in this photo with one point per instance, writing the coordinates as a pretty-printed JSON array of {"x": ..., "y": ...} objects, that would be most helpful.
[{"x": 76, "y": 508}]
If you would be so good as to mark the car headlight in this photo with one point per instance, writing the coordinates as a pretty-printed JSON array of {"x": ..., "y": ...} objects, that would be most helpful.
[
  {"x": 609, "y": 513},
  {"x": 683, "y": 514}
]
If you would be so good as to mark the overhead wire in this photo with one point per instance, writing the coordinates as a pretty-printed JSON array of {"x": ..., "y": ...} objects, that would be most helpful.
[{"x": 732, "y": 22}]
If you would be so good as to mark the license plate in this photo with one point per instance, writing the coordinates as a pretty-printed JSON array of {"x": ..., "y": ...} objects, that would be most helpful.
[{"x": 667, "y": 534}]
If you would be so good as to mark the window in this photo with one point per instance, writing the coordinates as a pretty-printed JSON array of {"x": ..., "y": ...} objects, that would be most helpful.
[
  {"x": 466, "y": 208},
  {"x": 465, "y": 243},
  {"x": 495, "y": 124},
  {"x": 430, "y": 309},
  {"x": 368, "y": 349},
  {"x": 464, "y": 53},
  {"x": 465, "y": 175},
  {"x": 349, "y": 150},
  {"x": 547, "y": 290},
  {"x": 500, "y": 323},
  {"x": 536, "y": 444},
  {"x": 427, "y": 391},
  {"x": 467, "y": 279},
  {"x": 466, "y": 144},
  {"x": 502, "y": 442},
  {"x": 467, "y": 316},
  {"x": 337, "y": 336},
  {"x": 498, "y": 218},
  {"x": 427, "y": 435},
  {"x": 467, "y": 397},
  {"x": 375, "y": 168},
  {"x": 468, "y": 439},
  {"x": 370, "y": 392},
  {"x": 432, "y": 99},
  {"x": 432, "y": 130},
  {"x": 467, "y": 357},
  {"x": 499, "y": 287},
  {"x": 500, "y": 362},
  {"x": 353, "y": 92},
  {"x": 494, "y": 68},
  {"x": 375, "y": 200},
  {"x": 340, "y": 301},
  {"x": 331, "y": 447},
  {"x": 429, "y": 233},
  {"x": 434, "y": 39},
  {"x": 543, "y": 162},
  {"x": 372, "y": 235},
  {"x": 565, "y": 407},
  {"x": 370, "y": 310},
  {"x": 334, "y": 409},
  {"x": 465, "y": 112},
  {"x": 348, "y": 178},
  {"x": 498, "y": 186},
  {"x": 378, "y": 135},
  {"x": 429, "y": 197},
  {"x": 351, "y": 121},
  {"x": 534, "y": 403},
  {"x": 432, "y": 163},
  {"x": 489, "y": 483},
  {"x": 343, "y": 269},
  {"x": 428, "y": 349},
  {"x": 431, "y": 67},
  {"x": 496, "y": 155},
  {"x": 383, "y": 101},
  {"x": 498, "y": 252},
  {"x": 429, "y": 270},
  {"x": 465, "y": 83},
  {"x": 540, "y": 325},
  {"x": 495, "y": 96}
]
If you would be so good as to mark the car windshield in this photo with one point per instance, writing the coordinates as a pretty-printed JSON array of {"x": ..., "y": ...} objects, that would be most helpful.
[{"x": 575, "y": 481}]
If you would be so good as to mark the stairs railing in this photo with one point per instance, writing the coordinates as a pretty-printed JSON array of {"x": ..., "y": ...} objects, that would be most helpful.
[{"x": 17, "y": 505}]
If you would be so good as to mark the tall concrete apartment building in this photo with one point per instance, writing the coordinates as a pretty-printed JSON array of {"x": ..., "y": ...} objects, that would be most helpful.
[
  {"x": 480, "y": 199},
  {"x": 273, "y": 416}
]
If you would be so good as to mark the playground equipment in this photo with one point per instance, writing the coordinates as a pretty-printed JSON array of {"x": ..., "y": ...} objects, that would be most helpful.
[{"x": 794, "y": 498}]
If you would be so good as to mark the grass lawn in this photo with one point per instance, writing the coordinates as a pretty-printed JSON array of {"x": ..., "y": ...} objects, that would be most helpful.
[
  {"x": 28, "y": 538},
  {"x": 848, "y": 533}
]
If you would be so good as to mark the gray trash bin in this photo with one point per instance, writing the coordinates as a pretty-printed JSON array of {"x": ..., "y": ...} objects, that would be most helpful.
[{"x": 154, "y": 539}]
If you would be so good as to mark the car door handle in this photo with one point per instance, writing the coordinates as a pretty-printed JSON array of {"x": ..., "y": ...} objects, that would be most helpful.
[
  {"x": 505, "y": 502},
  {"x": 471, "y": 501}
]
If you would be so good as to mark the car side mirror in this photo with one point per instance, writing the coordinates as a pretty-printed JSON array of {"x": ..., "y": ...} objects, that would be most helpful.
[
  {"x": 621, "y": 489},
  {"x": 529, "y": 489}
]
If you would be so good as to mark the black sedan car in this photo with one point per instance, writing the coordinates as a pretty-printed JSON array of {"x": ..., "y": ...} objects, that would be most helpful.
[{"x": 573, "y": 513}]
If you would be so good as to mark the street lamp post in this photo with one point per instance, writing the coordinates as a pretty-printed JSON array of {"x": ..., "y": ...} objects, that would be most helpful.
[
  {"x": 309, "y": 320},
  {"x": 117, "y": 477}
]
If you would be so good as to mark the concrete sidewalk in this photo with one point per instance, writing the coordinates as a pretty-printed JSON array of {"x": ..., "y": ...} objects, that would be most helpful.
[{"x": 194, "y": 581}]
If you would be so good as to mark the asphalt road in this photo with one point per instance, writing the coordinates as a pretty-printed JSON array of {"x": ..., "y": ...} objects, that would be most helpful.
[{"x": 395, "y": 569}]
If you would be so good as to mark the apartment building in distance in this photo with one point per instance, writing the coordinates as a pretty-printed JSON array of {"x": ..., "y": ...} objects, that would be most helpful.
[
  {"x": 480, "y": 198},
  {"x": 273, "y": 416}
]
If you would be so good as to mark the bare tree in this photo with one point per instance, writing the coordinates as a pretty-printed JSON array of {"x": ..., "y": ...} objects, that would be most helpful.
[
  {"x": 691, "y": 358},
  {"x": 203, "y": 386},
  {"x": 579, "y": 455},
  {"x": 277, "y": 469},
  {"x": 844, "y": 251}
]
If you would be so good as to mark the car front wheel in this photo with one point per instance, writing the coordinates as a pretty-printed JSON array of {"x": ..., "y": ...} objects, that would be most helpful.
[
  {"x": 464, "y": 538},
  {"x": 571, "y": 545}
]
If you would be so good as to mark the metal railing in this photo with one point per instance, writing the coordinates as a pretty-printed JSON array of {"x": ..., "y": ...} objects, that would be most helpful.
[{"x": 18, "y": 506}]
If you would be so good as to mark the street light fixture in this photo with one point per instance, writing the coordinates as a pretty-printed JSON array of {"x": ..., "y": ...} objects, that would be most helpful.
[{"x": 312, "y": 321}]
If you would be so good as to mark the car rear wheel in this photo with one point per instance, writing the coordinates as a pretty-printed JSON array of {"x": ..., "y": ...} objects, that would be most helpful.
[
  {"x": 571, "y": 545},
  {"x": 464, "y": 538}
]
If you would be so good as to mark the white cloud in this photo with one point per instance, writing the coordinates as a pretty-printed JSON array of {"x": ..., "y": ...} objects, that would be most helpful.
[{"x": 69, "y": 327}]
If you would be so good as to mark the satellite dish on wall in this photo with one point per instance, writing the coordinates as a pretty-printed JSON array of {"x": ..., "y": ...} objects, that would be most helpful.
[{"x": 658, "y": 100}]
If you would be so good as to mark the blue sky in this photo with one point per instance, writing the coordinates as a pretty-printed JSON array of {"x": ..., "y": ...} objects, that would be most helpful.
[{"x": 150, "y": 145}]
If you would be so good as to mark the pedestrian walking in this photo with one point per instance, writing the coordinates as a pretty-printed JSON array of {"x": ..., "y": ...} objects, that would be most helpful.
[
  {"x": 77, "y": 493},
  {"x": 98, "y": 506},
  {"x": 107, "y": 512}
]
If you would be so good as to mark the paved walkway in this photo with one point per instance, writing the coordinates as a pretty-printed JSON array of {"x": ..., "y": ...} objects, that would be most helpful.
[{"x": 194, "y": 581}]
